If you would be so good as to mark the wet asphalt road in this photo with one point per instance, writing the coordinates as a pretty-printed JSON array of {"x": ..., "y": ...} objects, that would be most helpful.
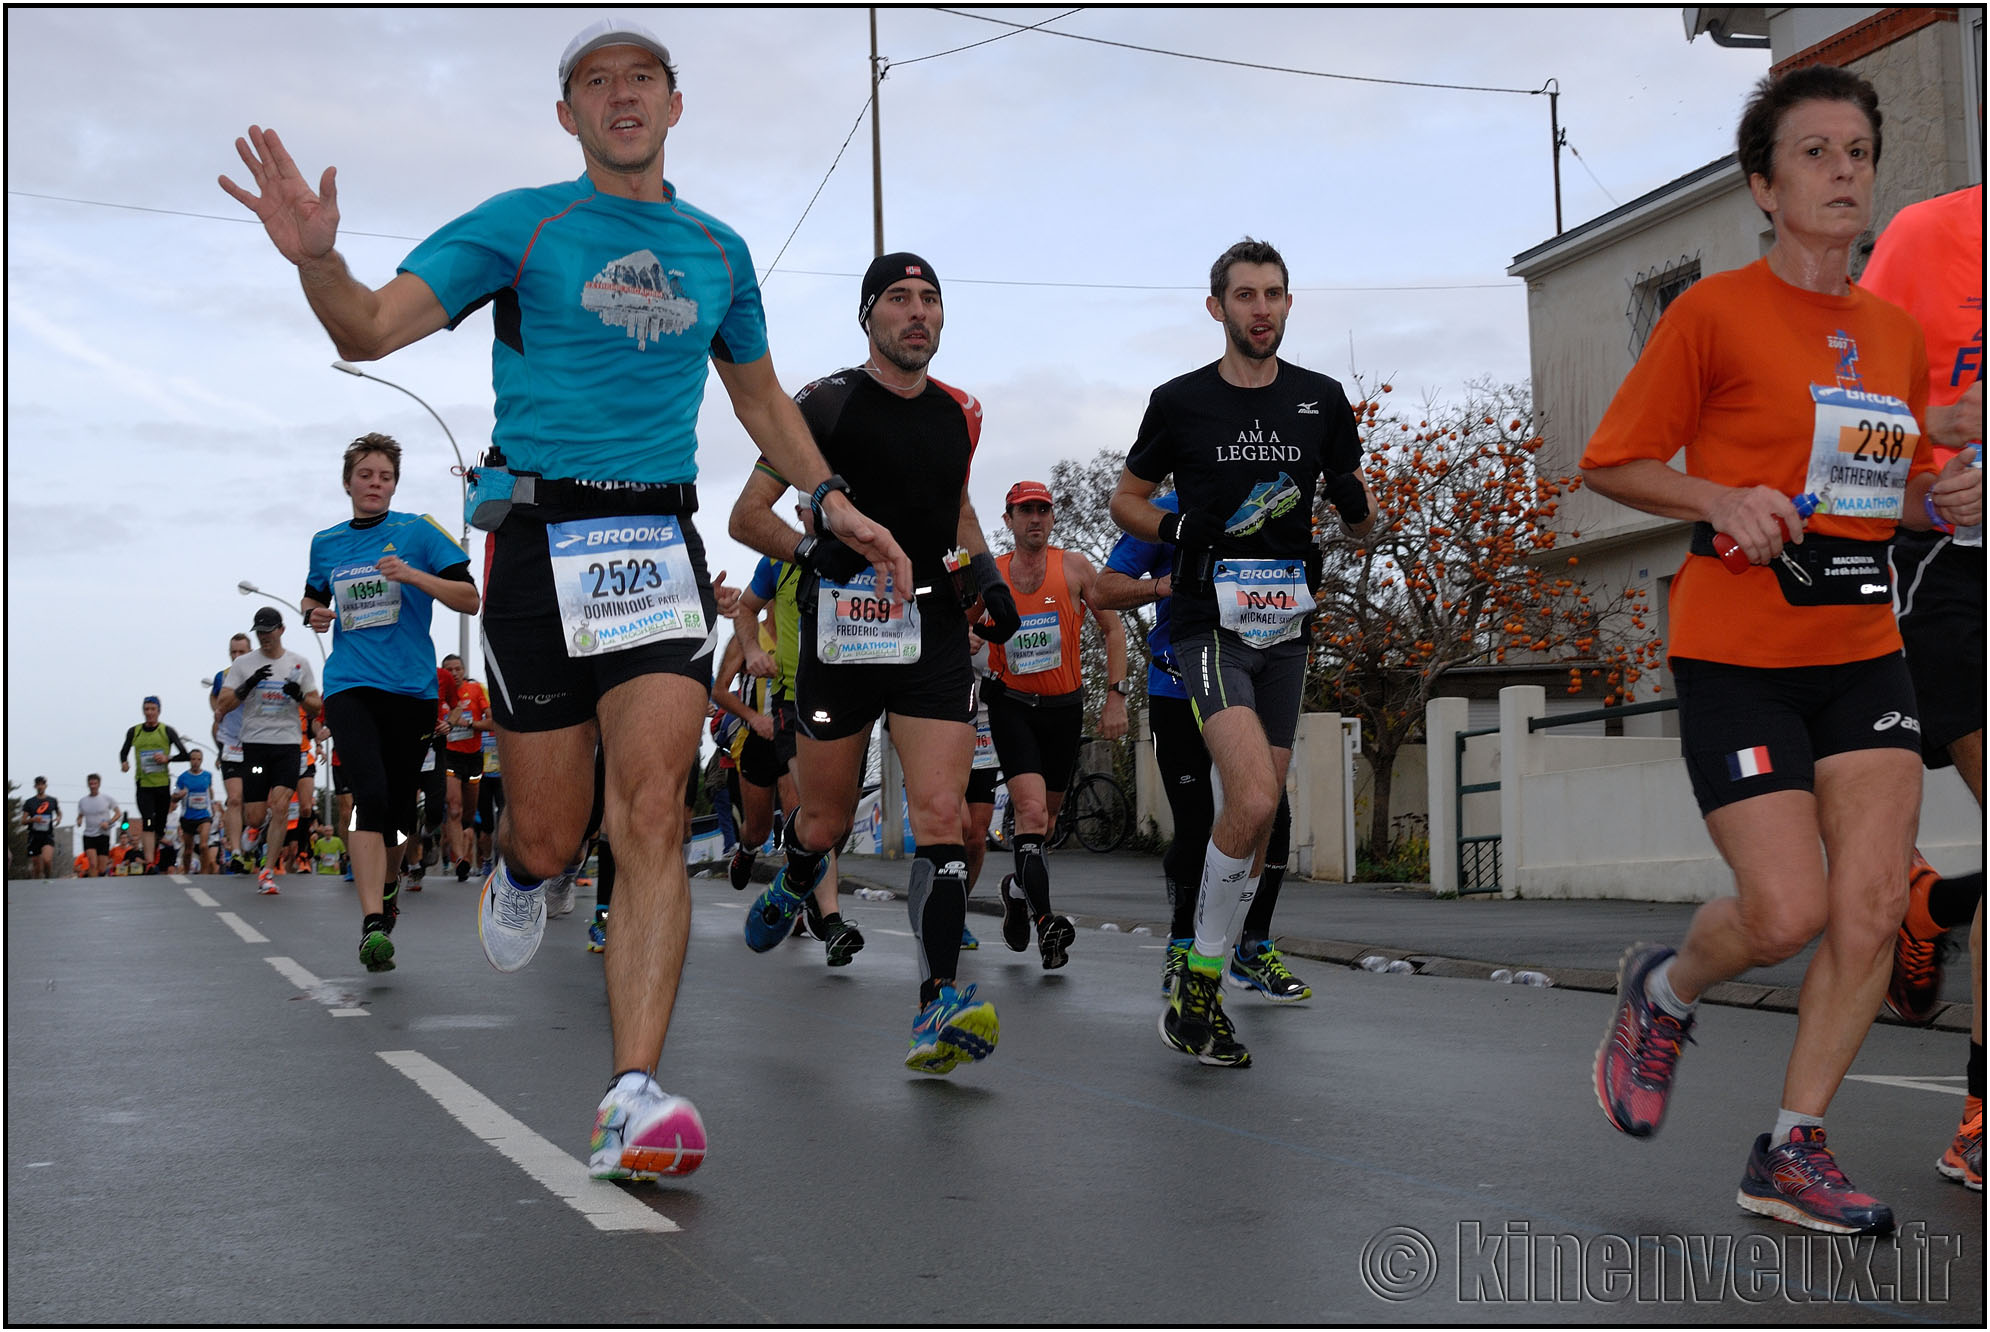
[{"x": 195, "y": 1134}]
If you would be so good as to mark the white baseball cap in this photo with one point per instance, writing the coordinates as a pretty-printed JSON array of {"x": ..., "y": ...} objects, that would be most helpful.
[{"x": 608, "y": 32}]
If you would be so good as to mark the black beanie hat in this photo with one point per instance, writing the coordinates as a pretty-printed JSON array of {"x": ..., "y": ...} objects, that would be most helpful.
[{"x": 887, "y": 269}]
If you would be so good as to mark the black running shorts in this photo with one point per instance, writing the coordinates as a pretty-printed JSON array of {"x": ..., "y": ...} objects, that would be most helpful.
[
  {"x": 535, "y": 684},
  {"x": 153, "y": 802},
  {"x": 265, "y": 768},
  {"x": 1748, "y": 730},
  {"x": 1037, "y": 739},
  {"x": 760, "y": 762},
  {"x": 1221, "y": 671},
  {"x": 841, "y": 700},
  {"x": 381, "y": 738},
  {"x": 981, "y": 785},
  {"x": 1938, "y": 593}
]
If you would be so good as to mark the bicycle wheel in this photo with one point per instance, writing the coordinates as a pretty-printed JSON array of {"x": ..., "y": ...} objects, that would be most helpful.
[{"x": 1101, "y": 814}]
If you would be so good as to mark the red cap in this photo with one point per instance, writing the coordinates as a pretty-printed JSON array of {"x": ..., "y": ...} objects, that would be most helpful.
[{"x": 1028, "y": 490}]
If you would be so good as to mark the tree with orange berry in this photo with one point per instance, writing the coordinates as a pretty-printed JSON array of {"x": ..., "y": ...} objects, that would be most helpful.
[{"x": 1460, "y": 570}]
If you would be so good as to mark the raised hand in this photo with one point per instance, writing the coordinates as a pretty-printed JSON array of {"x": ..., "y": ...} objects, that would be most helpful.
[{"x": 302, "y": 224}]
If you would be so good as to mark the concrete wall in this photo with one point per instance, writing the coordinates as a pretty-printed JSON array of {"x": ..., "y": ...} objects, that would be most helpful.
[
  {"x": 1593, "y": 817},
  {"x": 1316, "y": 785}
]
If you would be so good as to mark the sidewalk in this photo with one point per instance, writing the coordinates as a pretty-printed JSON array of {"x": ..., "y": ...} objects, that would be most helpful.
[{"x": 1577, "y": 943}]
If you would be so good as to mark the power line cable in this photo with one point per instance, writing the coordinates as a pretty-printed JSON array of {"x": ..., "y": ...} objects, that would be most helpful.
[
  {"x": 799, "y": 272},
  {"x": 1591, "y": 174},
  {"x": 181, "y": 212},
  {"x": 861, "y": 113},
  {"x": 1142, "y": 286},
  {"x": 1245, "y": 64},
  {"x": 889, "y": 64}
]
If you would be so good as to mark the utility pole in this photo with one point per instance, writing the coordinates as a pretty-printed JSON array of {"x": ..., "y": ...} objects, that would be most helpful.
[
  {"x": 877, "y": 161},
  {"x": 1553, "y": 88}
]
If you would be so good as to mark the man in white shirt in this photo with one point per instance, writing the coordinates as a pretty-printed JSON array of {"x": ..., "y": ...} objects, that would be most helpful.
[{"x": 270, "y": 685}]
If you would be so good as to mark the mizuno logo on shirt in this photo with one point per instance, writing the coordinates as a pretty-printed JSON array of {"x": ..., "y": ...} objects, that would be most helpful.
[{"x": 1309, "y": 408}]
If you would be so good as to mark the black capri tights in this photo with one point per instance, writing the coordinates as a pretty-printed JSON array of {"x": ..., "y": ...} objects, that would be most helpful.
[{"x": 381, "y": 738}]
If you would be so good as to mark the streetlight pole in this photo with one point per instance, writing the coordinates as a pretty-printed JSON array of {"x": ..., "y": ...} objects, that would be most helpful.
[{"x": 462, "y": 475}]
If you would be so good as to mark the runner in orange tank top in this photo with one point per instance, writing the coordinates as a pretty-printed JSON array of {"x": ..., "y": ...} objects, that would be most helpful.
[{"x": 1036, "y": 704}]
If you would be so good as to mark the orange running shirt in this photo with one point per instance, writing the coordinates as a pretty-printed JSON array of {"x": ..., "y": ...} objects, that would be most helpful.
[
  {"x": 1929, "y": 262},
  {"x": 1727, "y": 376},
  {"x": 465, "y": 739},
  {"x": 1045, "y": 649}
]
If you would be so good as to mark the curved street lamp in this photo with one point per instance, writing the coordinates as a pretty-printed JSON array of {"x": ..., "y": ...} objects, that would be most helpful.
[
  {"x": 462, "y": 475},
  {"x": 249, "y": 589}
]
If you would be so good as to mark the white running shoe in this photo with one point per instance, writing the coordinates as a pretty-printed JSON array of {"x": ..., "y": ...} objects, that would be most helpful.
[
  {"x": 641, "y": 1132},
  {"x": 510, "y": 921},
  {"x": 560, "y": 894}
]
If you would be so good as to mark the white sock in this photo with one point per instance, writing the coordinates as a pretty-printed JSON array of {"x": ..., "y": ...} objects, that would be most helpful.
[
  {"x": 1227, "y": 889},
  {"x": 1658, "y": 989},
  {"x": 1787, "y": 1119}
]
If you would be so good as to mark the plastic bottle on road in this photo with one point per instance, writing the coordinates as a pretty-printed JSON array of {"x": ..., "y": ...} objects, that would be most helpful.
[
  {"x": 1401, "y": 967},
  {"x": 1374, "y": 963},
  {"x": 1501, "y": 977},
  {"x": 1533, "y": 978}
]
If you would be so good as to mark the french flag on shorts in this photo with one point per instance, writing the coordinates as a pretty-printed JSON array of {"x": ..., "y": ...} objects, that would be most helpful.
[{"x": 1749, "y": 763}]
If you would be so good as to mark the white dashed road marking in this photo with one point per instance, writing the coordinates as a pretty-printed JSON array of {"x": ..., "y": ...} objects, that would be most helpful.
[
  {"x": 602, "y": 1203},
  {"x": 200, "y": 898},
  {"x": 243, "y": 930},
  {"x": 1933, "y": 1084}
]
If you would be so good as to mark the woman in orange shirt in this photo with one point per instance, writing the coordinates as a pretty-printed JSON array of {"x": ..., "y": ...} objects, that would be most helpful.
[{"x": 1786, "y": 387}]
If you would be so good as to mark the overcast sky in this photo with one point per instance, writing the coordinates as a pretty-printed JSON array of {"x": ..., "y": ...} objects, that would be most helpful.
[{"x": 173, "y": 426}]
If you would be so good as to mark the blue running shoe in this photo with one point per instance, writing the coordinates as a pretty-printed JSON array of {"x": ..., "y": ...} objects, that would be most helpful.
[
  {"x": 597, "y": 935},
  {"x": 951, "y": 1030},
  {"x": 968, "y": 943},
  {"x": 771, "y": 918}
]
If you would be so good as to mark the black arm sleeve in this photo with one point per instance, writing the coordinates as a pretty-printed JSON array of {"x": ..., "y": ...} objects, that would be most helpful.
[
  {"x": 129, "y": 736},
  {"x": 457, "y": 573},
  {"x": 321, "y": 595},
  {"x": 173, "y": 739}
]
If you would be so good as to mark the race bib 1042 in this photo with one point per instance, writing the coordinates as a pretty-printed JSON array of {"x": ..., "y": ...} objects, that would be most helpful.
[
  {"x": 1263, "y": 602},
  {"x": 855, "y": 623},
  {"x": 624, "y": 581}
]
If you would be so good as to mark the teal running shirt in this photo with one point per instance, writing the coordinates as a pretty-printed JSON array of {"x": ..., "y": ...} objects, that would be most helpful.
[{"x": 605, "y": 312}]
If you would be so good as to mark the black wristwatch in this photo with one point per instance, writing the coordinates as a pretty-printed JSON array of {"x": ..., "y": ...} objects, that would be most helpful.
[
  {"x": 821, "y": 494},
  {"x": 1120, "y": 687}
]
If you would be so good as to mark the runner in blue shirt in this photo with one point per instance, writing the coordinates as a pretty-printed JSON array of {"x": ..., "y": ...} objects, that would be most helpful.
[
  {"x": 193, "y": 790},
  {"x": 609, "y": 296},
  {"x": 374, "y": 581},
  {"x": 1138, "y": 573}
]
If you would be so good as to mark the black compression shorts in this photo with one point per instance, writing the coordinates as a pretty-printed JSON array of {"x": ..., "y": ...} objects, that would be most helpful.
[
  {"x": 1938, "y": 597},
  {"x": 834, "y": 701},
  {"x": 536, "y": 684},
  {"x": 1748, "y": 730}
]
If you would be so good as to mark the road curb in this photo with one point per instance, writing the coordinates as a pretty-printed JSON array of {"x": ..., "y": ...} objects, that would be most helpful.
[{"x": 1728, "y": 994}]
